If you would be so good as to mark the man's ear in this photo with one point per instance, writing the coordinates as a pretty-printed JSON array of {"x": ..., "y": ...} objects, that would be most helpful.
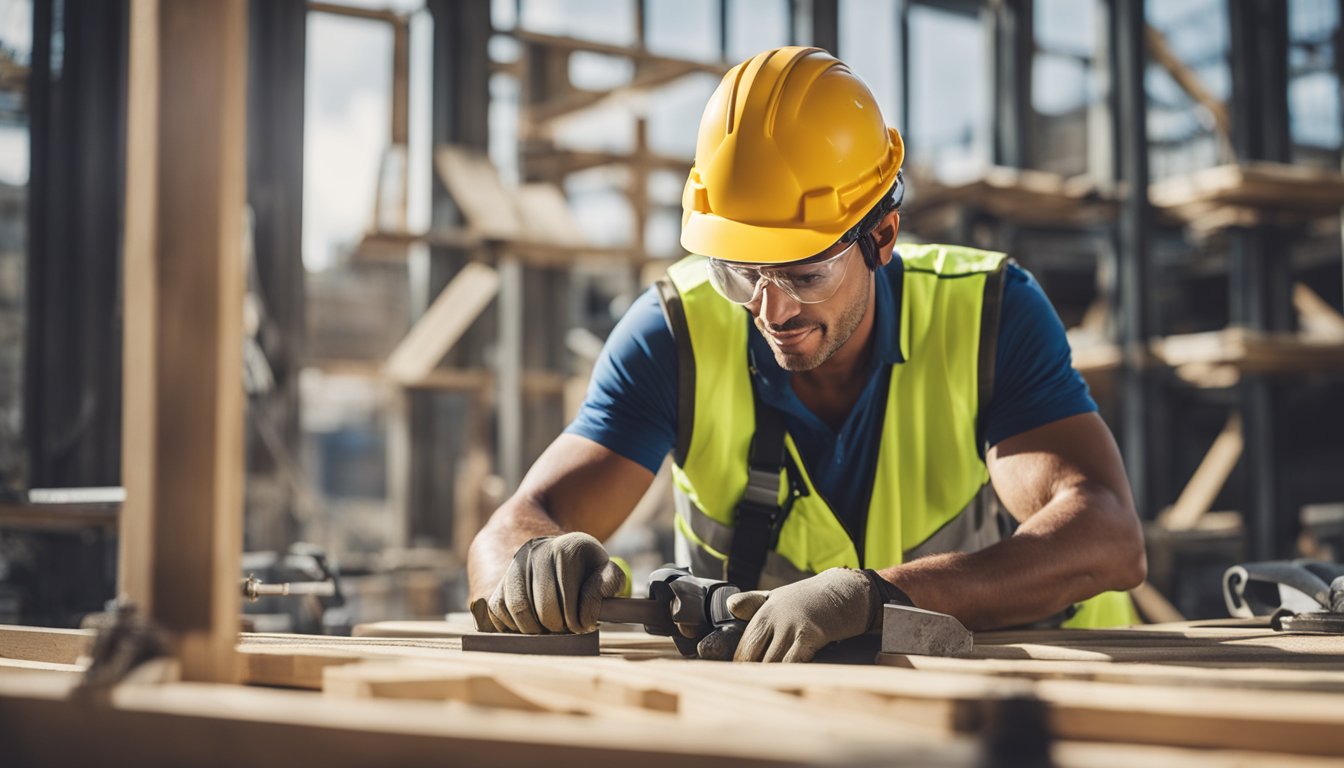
[{"x": 885, "y": 235}]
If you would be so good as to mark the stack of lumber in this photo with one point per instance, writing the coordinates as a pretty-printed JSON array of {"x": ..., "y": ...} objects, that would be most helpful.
[
  {"x": 1021, "y": 196},
  {"x": 1230, "y": 693},
  {"x": 1253, "y": 351},
  {"x": 1249, "y": 194}
]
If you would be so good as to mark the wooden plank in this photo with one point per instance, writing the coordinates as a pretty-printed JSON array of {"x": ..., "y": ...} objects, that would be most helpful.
[
  {"x": 1316, "y": 314},
  {"x": 55, "y": 646},
  {"x": 445, "y": 321},
  {"x": 214, "y": 725},
  {"x": 1253, "y": 351},
  {"x": 547, "y": 215},
  {"x": 19, "y": 667},
  {"x": 1204, "y": 646},
  {"x": 560, "y": 690},
  {"x": 182, "y": 454},
  {"x": 475, "y": 186},
  {"x": 1289, "y": 722},
  {"x": 1209, "y": 478},
  {"x": 1187, "y": 79},
  {"x": 1250, "y": 678},
  {"x": 1153, "y": 605},
  {"x": 1300, "y": 190}
]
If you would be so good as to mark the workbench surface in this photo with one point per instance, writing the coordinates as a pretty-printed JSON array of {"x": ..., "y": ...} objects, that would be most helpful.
[{"x": 1200, "y": 693}]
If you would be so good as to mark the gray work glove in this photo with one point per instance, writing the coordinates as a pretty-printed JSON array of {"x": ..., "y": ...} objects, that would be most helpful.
[
  {"x": 555, "y": 584},
  {"x": 794, "y": 622}
]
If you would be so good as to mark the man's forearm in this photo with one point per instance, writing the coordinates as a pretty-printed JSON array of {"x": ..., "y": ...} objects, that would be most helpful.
[
  {"x": 512, "y": 525},
  {"x": 1084, "y": 542}
]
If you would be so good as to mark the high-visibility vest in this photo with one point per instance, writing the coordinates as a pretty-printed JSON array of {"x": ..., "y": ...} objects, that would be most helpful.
[{"x": 930, "y": 490}]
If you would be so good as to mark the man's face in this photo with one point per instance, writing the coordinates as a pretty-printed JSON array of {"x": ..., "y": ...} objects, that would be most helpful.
[{"x": 803, "y": 336}]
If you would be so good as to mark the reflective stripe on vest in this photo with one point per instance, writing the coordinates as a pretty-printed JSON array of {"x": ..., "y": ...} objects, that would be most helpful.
[{"x": 927, "y": 490}]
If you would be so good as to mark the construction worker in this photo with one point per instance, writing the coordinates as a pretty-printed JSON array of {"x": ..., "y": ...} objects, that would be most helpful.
[{"x": 849, "y": 421}]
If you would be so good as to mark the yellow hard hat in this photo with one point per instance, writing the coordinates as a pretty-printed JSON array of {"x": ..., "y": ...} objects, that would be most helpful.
[{"x": 792, "y": 152}]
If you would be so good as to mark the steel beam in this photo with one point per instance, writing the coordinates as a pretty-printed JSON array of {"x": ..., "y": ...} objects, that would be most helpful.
[
  {"x": 1260, "y": 278},
  {"x": 277, "y": 33},
  {"x": 1138, "y": 393},
  {"x": 72, "y": 394}
]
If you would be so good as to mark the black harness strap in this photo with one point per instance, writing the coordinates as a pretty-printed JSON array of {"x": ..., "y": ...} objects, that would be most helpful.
[
  {"x": 989, "y": 343},
  {"x": 675, "y": 314},
  {"x": 759, "y": 514}
]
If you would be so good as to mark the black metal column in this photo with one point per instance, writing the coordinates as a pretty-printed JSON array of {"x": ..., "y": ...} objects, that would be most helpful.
[
  {"x": 442, "y": 425},
  {"x": 72, "y": 398},
  {"x": 277, "y": 32},
  {"x": 825, "y": 28},
  {"x": 1138, "y": 391},
  {"x": 1009, "y": 26},
  {"x": 1260, "y": 278}
]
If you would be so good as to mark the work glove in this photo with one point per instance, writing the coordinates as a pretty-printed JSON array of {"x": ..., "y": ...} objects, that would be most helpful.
[
  {"x": 555, "y": 584},
  {"x": 794, "y": 622}
]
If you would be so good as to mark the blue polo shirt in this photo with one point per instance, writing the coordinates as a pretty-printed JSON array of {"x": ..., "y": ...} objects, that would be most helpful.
[{"x": 631, "y": 404}]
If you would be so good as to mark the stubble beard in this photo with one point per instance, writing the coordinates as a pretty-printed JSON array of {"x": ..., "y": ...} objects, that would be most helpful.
[{"x": 832, "y": 339}]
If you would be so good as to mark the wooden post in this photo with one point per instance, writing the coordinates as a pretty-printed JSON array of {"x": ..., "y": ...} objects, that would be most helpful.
[{"x": 182, "y": 456}]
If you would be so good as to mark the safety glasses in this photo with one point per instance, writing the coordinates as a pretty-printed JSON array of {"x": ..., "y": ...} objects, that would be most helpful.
[{"x": 809, "y": 283}]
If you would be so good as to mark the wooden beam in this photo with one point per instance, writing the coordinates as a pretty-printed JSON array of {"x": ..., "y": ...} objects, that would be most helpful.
[
  {"x": 44, "y": 645},
  {"x": 1315, "y": 314},
  {"x": 1153, "y": 605},
  {"x": 1187, "y": 79},
  {"x": 182, "y": 444},
  {"x": 1209, "y": 478},
  {"x": 439, "y": 328}
]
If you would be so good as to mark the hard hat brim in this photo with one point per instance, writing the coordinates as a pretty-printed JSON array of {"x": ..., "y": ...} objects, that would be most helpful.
[{"x": 705, "y": 234}]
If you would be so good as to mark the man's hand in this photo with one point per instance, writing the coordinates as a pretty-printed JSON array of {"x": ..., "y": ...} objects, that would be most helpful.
[
  {"x": 794, "y": 622},
  {"x": 554, "y": 584}
]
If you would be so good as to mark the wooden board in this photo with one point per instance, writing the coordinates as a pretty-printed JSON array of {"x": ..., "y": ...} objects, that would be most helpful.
[
  {"x": 1253, "y": 351},
  {"x": 1210, "y": 476},
  {"x": 182, "y": 440},
  {"x": 1292, "y": 711},
  {"x": 1025, "y": 196},
  {"x": 215, "y": 725},
  {"x": 490, "y": 208},
  {"x": 57, "y": 646},
  {"x": 1176, "y": 644},
  {"x": 445, "y": 321}
]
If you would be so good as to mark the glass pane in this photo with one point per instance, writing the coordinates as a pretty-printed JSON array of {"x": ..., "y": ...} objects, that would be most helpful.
[
  {"x": 1313, "y": 85},
  {"x": 686, "y": 29},
  {"x": 347, "y": 127},
  {"x": 949, "y": 125},
  {"x": 1066, "y": 26},
  {"x": 1182, "y": 134},
  {"x": 605, "y": 21},
  {"x": 867, "y": 29},
  {"x": 755, "y": 26},
  {"x": 16, "y": 27}
]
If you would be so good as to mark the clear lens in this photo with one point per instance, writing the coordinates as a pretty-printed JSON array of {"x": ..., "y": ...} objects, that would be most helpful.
[{"x": 806, "y": 283}]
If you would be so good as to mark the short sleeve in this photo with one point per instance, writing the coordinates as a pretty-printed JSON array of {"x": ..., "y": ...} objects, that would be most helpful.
[
  {"x": 1034, "y": 379},
  {"x": 631, "y": 404}
]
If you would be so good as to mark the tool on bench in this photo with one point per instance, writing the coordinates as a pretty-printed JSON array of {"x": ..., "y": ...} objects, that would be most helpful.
[
  {"x": 678, "y": 603},
  {"x": 295, "y": 590},
  {"x": 254, "y": 589},
  {"x": 1297, "y": 595}
]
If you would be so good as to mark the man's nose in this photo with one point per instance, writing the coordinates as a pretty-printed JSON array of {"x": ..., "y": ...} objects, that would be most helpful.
[{"x": 777, "y": 307}]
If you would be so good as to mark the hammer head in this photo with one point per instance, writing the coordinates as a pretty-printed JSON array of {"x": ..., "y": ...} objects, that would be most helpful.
[{"x": 908, "y": 630}]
